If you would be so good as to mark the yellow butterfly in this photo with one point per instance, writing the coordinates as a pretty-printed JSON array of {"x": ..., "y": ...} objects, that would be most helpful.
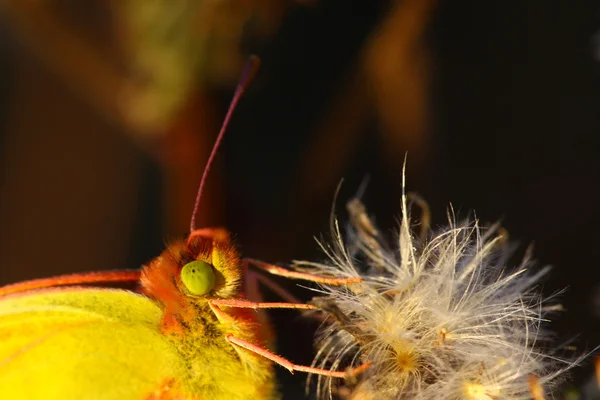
[{"x": 190, "y": 334}]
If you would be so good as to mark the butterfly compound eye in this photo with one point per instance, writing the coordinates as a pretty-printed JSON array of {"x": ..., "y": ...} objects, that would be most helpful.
[{"x": 198, "y": 277}]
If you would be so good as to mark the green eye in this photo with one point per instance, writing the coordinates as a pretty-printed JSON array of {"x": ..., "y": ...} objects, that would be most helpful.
[{"x": 198, "y": 277}]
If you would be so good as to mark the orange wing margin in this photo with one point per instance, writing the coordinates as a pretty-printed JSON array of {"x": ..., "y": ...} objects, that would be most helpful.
[{"x": 72, "y": 279}]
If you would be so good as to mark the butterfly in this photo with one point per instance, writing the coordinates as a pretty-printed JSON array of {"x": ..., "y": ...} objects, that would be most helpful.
[{"x": 190, "y": 332}]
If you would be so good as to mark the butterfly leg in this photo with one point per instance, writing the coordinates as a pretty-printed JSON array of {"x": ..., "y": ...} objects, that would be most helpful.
[
  {"x": 253, "y": 282},
  {"x": 241, "y": 303},
  {"x": 222, "y": 235},
  {"x": 276, "y": 270},
  {"x": 253, "y": 279},
  {"x": 223, "y": 316},
  {"x": 287, "y": 364},
  {"x": 235, "y": 341}
]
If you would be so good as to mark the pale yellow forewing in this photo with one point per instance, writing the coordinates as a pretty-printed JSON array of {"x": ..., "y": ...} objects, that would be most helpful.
[{"x": 83, "y": 344}]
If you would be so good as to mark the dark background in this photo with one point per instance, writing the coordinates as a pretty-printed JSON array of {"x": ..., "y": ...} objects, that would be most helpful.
[{"x": 513, "y": 132}]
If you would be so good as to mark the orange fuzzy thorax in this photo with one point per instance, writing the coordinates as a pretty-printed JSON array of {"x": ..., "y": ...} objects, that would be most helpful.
[{"x": 199, "y": 335}]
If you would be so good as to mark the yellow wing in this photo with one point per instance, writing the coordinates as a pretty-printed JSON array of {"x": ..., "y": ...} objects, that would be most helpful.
[{"x": 83, "y": 344}]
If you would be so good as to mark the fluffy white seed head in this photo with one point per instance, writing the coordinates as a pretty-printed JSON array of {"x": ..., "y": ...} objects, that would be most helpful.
[{"x": 438, "y": 316}]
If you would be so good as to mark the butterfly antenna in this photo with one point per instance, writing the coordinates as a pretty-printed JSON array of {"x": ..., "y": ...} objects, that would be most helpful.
[{"x": 247, "y": 75}]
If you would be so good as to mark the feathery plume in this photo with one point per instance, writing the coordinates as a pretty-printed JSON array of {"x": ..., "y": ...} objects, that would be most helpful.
[{"x": 437, "y": 317}]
